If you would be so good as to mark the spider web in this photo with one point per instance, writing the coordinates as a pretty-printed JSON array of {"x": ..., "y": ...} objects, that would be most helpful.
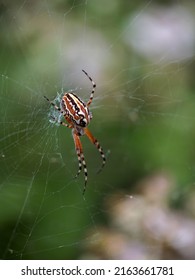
[{"x": 142, "y": 115}]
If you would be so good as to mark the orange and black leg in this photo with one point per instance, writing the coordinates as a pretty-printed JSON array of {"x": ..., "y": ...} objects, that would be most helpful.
[
  {"x": 81, "y": 158},
  {"x": 97, "y": 144}
]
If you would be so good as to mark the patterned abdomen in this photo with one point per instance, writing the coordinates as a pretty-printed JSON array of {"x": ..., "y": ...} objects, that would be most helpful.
[{"x": 76, "y": 110}]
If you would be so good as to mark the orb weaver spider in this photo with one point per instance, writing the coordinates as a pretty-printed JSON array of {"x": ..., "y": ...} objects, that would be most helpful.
[{"x": 77, "y": 114}]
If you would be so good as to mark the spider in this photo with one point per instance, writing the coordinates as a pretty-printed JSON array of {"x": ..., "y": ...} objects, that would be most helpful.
[{"x": 77, "y": 114}]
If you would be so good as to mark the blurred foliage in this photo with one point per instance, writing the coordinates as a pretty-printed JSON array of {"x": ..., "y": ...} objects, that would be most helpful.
[{"x": 142, "y": 204}]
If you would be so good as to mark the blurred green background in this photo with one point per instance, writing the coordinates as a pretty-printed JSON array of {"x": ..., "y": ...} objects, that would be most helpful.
[{"x": 141, "y": 55}]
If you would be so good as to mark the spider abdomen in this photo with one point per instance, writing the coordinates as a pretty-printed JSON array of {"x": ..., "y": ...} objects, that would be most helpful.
[{"x": 75, "y": 110}]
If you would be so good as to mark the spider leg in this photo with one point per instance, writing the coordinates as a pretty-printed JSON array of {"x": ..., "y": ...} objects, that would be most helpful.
[
  {"x": 61, "y": 111},
  {"x": 98, "y": 146},
  {"x": 54, "y": 105},
  {"x": 81, "y": 158},
  {"x": 80, "y": 163},
  {"x": 93, "y": 89},
  {"x": 62, "y": 123}
]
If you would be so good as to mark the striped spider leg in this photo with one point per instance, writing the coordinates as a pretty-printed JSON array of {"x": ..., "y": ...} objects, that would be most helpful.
[{"x": 77, "y": 114}]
